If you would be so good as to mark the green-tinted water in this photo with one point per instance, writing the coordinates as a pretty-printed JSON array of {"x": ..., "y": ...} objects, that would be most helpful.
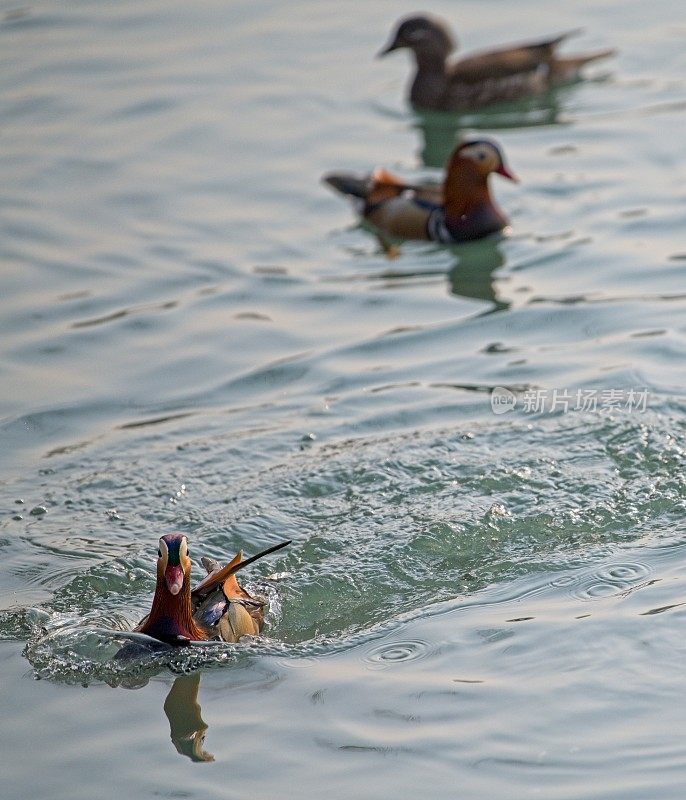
[{"x": 196, "y": 337}]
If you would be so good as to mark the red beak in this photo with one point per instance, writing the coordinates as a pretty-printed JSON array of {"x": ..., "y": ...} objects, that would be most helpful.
[
  {"x": 505, "y": 172},
  {"x": 174, "y": 578}
]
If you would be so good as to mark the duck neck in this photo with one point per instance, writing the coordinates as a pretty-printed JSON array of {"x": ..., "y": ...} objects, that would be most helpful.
[
  {"x": 469, "y": 209},
  {"x": 171, "y": 616},
  {"x": 464, "y": 191},
  {"x": 429, "y": 84},
  {"x": 430, "y": 61}
]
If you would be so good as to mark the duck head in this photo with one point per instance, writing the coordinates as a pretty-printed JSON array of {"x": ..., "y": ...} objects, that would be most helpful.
[
  {"x": 470, "y": 211},
  {"x": 478, "y": 159},
  {"x": 171, "y": 615},
  {"x": 428, "y": 37},
  {"x": 173, "y": 562}
]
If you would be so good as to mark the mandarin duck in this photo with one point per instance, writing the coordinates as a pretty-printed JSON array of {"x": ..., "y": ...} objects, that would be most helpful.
[
  {"x": 459, "y": 210},
  {"x": 217, "y": 608},
  {"x": 487, "y": 77}
]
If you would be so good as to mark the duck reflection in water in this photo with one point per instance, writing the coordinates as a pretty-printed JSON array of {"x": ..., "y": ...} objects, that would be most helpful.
[
  {"x": 441, "y": 130},
  {"x": 187, "y": 728},
  {"x": 186, "y": 725},
  {"x": 472, "y": 274}
]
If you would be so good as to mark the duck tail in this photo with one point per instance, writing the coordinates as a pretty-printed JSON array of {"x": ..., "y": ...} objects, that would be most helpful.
[
  {"x": 345, "y": 183},
  {"x": 564, "y": 69},
  {"x": 234, "y": 567},
  {"x": 564, "y": 36},
  {"x": 217, "y": 575},
  {"x": 375, "y": 188}
]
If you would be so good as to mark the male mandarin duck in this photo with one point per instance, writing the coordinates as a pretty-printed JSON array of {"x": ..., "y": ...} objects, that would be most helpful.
[
  {"x": 460, "y": 210},
  {"x": 491, "y": 76},
  {"x": 217, "y": 608}
]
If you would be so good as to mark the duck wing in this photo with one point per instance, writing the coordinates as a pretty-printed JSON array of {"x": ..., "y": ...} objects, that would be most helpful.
[
  {"x": 381, "y": 185},
  {"x": 394, "y": 206},
  {"x": 221, "y": 603},
  {"x": 231, "y": 612},
  {"x": 401, "y": 217},
  {"x": 506, "y": 62}
]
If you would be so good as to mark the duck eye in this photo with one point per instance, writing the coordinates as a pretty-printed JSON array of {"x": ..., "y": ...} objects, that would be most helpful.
[{"x": 159, "y": 553}]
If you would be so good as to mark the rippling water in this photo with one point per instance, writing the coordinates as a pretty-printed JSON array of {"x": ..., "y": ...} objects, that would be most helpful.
[{"x": 196, "y": 336}]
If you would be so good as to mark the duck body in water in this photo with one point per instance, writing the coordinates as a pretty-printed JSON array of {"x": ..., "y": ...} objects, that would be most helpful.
[
  {"x": 217, "y": 608},
  {"x": 461, "y": 209},
  {"x": 491, "y": 76}
]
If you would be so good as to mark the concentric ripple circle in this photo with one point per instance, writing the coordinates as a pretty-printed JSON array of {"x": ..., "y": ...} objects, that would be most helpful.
[
  {"x": 610, "y": 580},
  {"x": 390, "y": 653}
]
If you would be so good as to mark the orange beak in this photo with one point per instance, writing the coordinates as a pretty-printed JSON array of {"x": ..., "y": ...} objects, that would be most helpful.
[
  {"x": 174, "y": 579},
  {"x": 505, "y": 172}
]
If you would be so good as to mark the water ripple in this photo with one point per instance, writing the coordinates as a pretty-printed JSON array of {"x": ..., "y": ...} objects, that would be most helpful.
[
  {"x": 384, "y": 528},
  {"x": 610, "y": 580},
  {"x": 390, "y": 653}
]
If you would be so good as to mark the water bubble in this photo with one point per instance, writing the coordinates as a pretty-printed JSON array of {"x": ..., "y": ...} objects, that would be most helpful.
[
  {"x": 21, "y": 623},
  {"x": 498, "y": 510},
  {"x": 81, "y": 654}
]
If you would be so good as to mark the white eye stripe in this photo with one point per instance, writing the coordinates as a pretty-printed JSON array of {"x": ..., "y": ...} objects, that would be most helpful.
[
  {"x": 183, "y": 548},
  {"x": 163, "y": 550}
]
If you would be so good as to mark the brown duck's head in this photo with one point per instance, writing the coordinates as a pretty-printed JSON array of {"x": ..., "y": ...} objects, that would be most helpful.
[
  {"x": 173, "y": 562},
  {"x": 480, "y": 158},
  {"x": 427, "y": 36}
]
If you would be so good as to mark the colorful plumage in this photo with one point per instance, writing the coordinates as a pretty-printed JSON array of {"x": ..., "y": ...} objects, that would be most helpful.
[
  {"x": 217, "y": 608},
  {"x": 460, "y": 210},
  {"x": 491, "y": 76}
]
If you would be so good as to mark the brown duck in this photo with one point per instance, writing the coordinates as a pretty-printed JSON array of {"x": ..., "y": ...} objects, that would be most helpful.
[
  {"x": 459, "y": 210},
  {"x": 217, "y": 608},
  {"x": 491, "y": 76}
]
